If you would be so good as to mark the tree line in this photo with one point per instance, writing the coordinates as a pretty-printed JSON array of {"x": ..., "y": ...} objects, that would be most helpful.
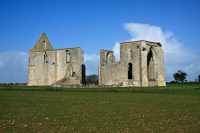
[{"x": 180, "y": 76}]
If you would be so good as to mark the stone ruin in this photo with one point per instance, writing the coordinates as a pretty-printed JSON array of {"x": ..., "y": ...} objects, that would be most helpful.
[
  {"x": 48, "y": 66},
  {"x": 141, "y": 64}
]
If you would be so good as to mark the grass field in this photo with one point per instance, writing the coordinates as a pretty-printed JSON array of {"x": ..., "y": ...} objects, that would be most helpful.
[{"x": 175, "y": 108}]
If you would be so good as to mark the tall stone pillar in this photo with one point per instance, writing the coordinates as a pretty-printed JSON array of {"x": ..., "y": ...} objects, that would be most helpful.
[
  {"x": 161, "y": 73},
  {"x": 144, "y": 77},
  {"x": 99, "y": 73},
  {"x": 143, "y": 67}
]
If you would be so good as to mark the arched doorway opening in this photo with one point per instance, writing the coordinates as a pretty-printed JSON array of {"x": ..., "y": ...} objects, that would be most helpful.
[
  {"x": 83, "y": 74},
  {"x": 130, "y": 70}
]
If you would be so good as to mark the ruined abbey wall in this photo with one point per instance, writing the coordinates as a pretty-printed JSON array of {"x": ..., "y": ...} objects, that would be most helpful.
[
  {"x": 141, "y": 64},
  {"x": 48, "y": 66}
]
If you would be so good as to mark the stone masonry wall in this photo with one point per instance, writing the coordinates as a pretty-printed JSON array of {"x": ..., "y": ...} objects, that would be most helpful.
[
  {"x": 48, "y": 66},
  {"x": 141, "y": 64}
]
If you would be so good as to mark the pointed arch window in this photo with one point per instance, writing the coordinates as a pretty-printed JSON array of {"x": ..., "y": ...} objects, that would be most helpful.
[
  {"x": 68, "y": 58},
  {"x": 45, "y": 58},
  {"x": 109, "y": 58},
  {"x": 150, "y": 66}
]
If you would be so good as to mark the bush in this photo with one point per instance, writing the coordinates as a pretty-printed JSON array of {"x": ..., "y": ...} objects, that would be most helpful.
[{"x": 92, "y": 79}]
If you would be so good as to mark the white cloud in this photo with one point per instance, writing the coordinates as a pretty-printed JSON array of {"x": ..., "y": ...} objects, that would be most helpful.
[
  {"x": 13, "y": 66},
  {"x": 177, "y": 55},
  {"x": 146, "y": 32},
  {"x": 2, "y": 64},
  {"x": 91, "y": 57},
  {"x": 91, "y": 62},
  {"x": 116, "y": 49}
]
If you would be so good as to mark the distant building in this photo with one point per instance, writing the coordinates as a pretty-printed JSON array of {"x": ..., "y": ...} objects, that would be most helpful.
[
  {"x": 141, "y": 64},
  {"x": 48, "y": 66}
]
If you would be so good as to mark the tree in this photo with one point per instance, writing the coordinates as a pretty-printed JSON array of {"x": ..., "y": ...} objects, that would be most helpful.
[
  {"x": 180, "y": 76},
  {"x": 92, "y": 79},
  {"x": 199, "y": 78}
]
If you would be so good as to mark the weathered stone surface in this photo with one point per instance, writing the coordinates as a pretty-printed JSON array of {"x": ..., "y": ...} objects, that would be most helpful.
[
  {"x": 67, "y": 81},
  {"x": 48, "y": 65},
  {"x": 141, "y": 64}
]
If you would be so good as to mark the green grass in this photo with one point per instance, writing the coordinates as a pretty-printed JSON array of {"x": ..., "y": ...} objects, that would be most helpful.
[{"x": 175, "y": 108}]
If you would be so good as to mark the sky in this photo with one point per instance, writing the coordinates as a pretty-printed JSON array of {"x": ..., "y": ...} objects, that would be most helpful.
[{"x": 99, "y": 24}]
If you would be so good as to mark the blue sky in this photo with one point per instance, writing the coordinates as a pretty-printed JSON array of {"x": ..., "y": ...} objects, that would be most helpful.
[{"x": 95, "y": 25}]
